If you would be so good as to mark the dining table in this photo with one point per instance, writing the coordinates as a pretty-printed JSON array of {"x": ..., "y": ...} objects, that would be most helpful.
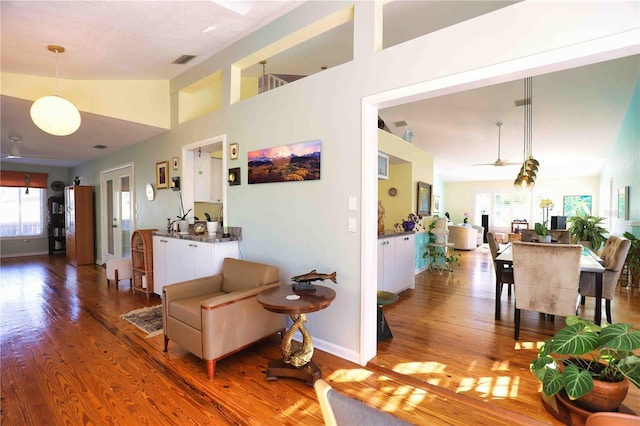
[{"x": 589, "y": 263}]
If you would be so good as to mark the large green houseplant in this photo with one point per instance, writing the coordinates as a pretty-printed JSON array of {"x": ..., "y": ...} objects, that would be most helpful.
[
  {"x": 585, "y": 227},
  {"x": 582, "y": 353}
]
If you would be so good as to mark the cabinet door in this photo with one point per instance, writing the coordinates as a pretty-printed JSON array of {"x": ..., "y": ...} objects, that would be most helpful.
[
  {"x": 216, "y": 180},
  {"x": 159, "y": 263},
  {"x": 386, "y": 266},
  {"x": 202, "y": 177},
  {"x": 223, "y": 250},
  {"x": 203, "y": 259},
  {"x": 405, "y": 260},
  {"x": 178, "y": 261}
]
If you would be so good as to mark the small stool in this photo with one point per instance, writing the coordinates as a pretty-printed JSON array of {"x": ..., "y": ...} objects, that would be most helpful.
[
  {"x": 119, "y": 269},
  {"x": 384, "y": 298}
]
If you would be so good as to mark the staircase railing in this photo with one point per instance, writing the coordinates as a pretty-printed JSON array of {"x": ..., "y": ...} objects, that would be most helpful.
[{"x": 268, "y": 82}]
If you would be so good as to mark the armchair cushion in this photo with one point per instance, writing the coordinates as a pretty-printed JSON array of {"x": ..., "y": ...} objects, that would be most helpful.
[{"x": 463, "y": 237}]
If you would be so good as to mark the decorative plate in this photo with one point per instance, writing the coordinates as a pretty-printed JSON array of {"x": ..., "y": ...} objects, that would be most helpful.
[
  {"x": 393, "y": 192},
  {"x": 57, "y": 185}
]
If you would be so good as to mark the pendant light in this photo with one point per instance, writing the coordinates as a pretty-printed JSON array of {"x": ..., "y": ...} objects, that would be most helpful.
[
  {"x": 526, "y": 178},
  {"x": 54, "y": 114}
]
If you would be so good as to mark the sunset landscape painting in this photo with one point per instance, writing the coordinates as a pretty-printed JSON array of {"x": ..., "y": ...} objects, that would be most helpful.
[{"x": 286, "y": 163}]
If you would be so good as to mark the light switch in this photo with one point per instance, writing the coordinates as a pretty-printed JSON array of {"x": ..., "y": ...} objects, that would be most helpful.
[
  {"x": 352, "y": 204},
  {"x": 351, "y": 224}
]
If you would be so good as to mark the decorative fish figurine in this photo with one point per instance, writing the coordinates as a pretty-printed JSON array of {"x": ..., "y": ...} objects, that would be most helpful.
[{"x": 314, "y": 276}]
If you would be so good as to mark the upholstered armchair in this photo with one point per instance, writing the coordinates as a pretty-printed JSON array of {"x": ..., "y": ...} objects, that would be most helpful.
[
  {"x": 545, "y": 279},
  {"x": 463, "y": 237},
  {"x": 613, "y": 257},
  {"x": 480, "y": 237},
  {"x": 215, "y": 316}
]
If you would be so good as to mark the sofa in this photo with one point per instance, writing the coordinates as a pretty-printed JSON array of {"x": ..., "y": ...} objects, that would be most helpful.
[
  {"x": 463, "y": 237},
  {"x": 215, "y": 316}
]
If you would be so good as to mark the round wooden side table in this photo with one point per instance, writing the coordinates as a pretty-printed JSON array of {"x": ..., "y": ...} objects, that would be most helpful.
[{"x": 296, "y": 361}]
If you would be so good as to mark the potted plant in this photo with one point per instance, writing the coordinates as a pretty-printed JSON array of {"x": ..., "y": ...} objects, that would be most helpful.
[
  {"x": 586, "y": 230},
  {"x": 183, "y": 222},
  {"x": 212, "y": 225},
  {"x": 633, "y": 259},
  {"x": 582, "y": 357},
  {"x": 541, "y": 232}
]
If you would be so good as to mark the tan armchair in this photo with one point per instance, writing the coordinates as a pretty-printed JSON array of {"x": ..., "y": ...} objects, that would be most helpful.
[
  {"x": 463, "y": 237},
  {"x": 545, "y": 279},
  {"x": 215, "y": 316},
  {"x": 613, "y": 257}
]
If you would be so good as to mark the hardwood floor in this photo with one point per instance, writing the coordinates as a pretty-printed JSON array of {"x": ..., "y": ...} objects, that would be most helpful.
[{"x": 68, "y": 358}]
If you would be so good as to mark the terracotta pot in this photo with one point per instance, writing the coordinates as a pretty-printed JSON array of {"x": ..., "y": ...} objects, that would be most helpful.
[
  {"x": 608, "y": 419},
  {"x": 605, "y": 396}
]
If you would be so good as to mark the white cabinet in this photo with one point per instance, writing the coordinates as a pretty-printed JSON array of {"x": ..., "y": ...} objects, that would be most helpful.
[
  {"x": 396, "y": 271},
  {"x": 177, "y": 260},
  {"x": 207, "y": 182}
]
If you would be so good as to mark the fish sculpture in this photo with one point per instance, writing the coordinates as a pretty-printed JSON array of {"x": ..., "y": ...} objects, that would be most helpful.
[{"x": 314, "y": 276}]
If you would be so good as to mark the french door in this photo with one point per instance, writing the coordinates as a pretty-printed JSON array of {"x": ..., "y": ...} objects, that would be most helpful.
[{"x": 117, "y": 213}]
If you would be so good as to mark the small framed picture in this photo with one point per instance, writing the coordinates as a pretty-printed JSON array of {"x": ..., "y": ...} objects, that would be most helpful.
[
  {"x": 233, "y": 151},
  {"x": 623, "y": 203},
  {"x": 174, "y": 163},
  {"x": 162, "y": 175},
  {"x": 436, "y": 205}
]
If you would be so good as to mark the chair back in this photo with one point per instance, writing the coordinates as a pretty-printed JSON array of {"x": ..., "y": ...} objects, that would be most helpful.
[
  {"x": 546, "y": 277},
  {"x": 341, "y": 410},
  {"x": 493, "y": 245},
  {"x": 615, "y": 252}
]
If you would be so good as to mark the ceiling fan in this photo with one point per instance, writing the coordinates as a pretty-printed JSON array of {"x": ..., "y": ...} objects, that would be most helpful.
[
  {"x": 14, "y": 152},
  {"x": 499, "y": 162}
]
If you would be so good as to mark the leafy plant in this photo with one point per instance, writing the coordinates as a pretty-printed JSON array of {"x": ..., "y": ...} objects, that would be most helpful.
[
  {"x": 433, "y": 253},
  {"x": 541, "y": 228},
  {"x": 587, "y": 352},
  {"x": 208, "y": 216},
  {"x": 181, "y": 213},
  {"x": 585, "y": 227},
  {"x": 633, "y": 257}
]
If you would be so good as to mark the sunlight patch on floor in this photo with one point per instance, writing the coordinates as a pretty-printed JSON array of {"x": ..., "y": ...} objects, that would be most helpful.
[
  {"x": 350, "y": 375},
  {"x": 527, "y": 345},
  {"x": 420, "y": 367},
  {"x": 491, "y": 387},
  {"x": 500, "y": 366}
]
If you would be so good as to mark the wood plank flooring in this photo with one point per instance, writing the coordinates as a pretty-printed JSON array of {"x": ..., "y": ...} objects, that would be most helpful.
[{"x": 68, "y": 358}]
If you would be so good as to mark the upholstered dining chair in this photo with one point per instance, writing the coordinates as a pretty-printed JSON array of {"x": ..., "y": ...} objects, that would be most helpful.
[
  {"x": 341, "y": 410},
  {"x": 505, "y": 274},
  {"x": 546, "y": 278},
  {"x": 528, "y": 235},
  {"x": 613, "y": 256},
  {"x": 561, "y": 236}
]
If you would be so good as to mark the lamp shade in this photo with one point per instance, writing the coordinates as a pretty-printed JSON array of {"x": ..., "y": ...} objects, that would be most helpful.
[{"x": 55, "y": 115}]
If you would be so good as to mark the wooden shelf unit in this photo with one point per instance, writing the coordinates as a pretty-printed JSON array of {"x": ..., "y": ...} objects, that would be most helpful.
[
  {"x": 142, "y": 261},
  {"x": 55, "y": 225}
]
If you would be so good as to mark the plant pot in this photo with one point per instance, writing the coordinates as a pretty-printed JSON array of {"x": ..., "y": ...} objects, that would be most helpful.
[
  {"x": 183, "y": 226},
  {"x": 212, "y": 227},
  {"x": 605, "y": 396},
  {"x": 545, "y": 239}
]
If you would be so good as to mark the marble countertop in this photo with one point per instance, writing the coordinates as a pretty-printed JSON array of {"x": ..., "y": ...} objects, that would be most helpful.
[
  {"x": 203, "y": 238},
  {"x": 391, "y": 234}
]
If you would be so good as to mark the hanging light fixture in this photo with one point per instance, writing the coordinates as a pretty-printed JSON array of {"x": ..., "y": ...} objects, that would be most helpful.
[
  {"x": 54, "y": 114},
  {"x": 526, "y": 178}
]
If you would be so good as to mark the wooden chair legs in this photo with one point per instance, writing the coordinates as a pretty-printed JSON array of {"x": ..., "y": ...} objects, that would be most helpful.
[{"x": 516, "y": 331}]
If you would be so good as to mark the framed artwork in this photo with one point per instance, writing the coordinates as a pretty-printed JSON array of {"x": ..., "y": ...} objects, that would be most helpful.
[
  {"x": 424, "y": 199},
  {"x": 436, "y": 205},
  {"x": 234, "y": 176},
  {"x": 174, "y": 163},
  {"x": 623, "y": 203},
  {"x": 233, "y": 151},
  {"x": 285, "y": 163},
  {"x": 576, "y": 204},
  {"x": 162, "y": 175}
]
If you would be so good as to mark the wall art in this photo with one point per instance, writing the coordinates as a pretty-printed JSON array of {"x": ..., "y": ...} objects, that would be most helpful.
[
  {"x": 162, "y": 175},
  {"x": 285, "y": 163},
  {"x": 576, "y": 204},
  {"x": 623, "y": 203},
  {"x": 424, "y": 199}
]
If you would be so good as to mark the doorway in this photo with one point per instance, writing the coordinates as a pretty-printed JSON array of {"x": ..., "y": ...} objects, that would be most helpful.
[{"x": 117, "y": 215}]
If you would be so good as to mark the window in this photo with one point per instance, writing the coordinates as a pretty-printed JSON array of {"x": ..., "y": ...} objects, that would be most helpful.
[{"x": 21, "y": 214}]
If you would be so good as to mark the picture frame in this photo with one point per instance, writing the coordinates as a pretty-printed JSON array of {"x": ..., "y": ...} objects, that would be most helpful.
[
  {"x": 576, "y": 204},
  {"x": 174, "y": 163},
  {"x": 233, "y": 151},
  {"x": 234, "y": 176},
  {"x": 623, "y": 203},
  {"x": 424, "y": 199},
  {"x": 162, "y": 175},
  {"x": 297, "y": 162},
  {"x": 436, "y": 205}
]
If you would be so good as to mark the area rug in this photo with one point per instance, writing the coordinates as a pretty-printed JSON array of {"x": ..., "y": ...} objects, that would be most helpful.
[
  {"x": 147, "y": 319},
  {"x": 484, "y": 248}
]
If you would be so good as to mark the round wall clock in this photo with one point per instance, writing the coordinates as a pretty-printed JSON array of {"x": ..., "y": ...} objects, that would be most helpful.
[
  {"x": 57, "y": 185},
  {"x": 150, "y": 192},
  {"x": 393, "y": 192}
]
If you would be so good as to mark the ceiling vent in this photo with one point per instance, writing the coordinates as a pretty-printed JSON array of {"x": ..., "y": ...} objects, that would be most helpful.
[
  {"x": 183, "y": 59},
  {"x": 400, "y": 123},
  {"x": 99, "y": 146}
]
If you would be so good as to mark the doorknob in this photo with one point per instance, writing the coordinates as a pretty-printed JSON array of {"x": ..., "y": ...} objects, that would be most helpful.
[{"x": 114, "y": 226}]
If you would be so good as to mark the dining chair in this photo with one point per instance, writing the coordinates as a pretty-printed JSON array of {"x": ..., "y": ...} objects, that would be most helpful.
[
  {"x": 546, "y": 278},
  {"x": 561, "y": 236},
  {"x": 504, "y": 275},
  {"x": 613, "y": 257}
]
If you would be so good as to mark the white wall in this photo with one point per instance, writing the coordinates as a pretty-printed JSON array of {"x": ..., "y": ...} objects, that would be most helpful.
[{"x": 303, "y": 226}]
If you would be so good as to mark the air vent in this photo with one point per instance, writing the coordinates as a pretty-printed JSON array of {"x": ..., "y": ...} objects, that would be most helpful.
[
  {"x": 183, "y": 59},
  {"x": 522, "y": 102},
  {"x": 400, "y": 123},
  {"x": 99, "y": 146}
]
